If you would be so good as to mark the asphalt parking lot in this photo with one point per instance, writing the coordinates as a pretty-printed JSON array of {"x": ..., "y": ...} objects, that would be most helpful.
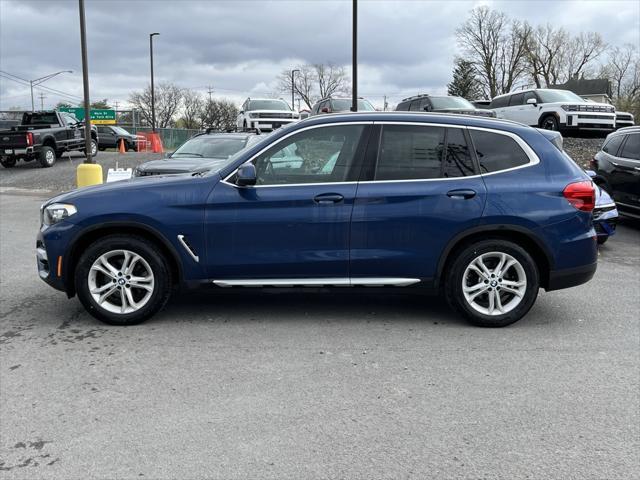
[{"x": 301, "y": 384}]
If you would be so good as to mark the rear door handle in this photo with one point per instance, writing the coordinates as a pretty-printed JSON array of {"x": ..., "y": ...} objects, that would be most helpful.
[
  {"x": 327, "y": 198},
  {"x": 462, "y": 193}
]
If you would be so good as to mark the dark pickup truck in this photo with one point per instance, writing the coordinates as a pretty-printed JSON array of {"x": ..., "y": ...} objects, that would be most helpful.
[{"x": 44, "y": 136}]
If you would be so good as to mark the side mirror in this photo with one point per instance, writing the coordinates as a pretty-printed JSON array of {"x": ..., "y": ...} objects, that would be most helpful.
[
  {"x": 532, "y": 101},
  {"x": 324, "y": 110},
  {"x": 241, "y": 112},
  {"x": 246, "y": 175}
]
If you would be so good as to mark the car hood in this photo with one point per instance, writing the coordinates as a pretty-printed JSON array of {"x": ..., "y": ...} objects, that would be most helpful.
[{"x": 183, "y": 165}]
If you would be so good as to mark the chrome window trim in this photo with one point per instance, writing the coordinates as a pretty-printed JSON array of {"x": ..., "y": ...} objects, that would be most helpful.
[
  {"x": 319, "y": 282},
  {"x": 310, "y": 127}
]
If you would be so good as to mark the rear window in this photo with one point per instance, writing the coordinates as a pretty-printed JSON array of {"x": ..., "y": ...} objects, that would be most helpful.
[
  {"x": 631, "y": 147},
  {"x": 412, "y": 152},
  {"x": 613, "y": 145},
  {"x": 402, "y": 107},
  {"x": 497, "y": 152}
]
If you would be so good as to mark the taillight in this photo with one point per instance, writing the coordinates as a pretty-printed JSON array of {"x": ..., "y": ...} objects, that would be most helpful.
[
  {"x": 582, "y": 195},
  {"x": 29, "y": 139}
]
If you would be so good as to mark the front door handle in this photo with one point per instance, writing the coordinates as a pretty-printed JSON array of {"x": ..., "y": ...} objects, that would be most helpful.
[
  {"x": 462, "y": 193},
  {"x": 326, "y": 198}
]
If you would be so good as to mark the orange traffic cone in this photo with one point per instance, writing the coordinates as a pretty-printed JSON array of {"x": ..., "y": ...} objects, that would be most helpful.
[
  {"x": 156, "y": 143},
  {"x": 121, "y": 148}
]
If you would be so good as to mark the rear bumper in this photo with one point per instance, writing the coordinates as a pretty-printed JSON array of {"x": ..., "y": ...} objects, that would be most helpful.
[{"x": 571, "y": 277}]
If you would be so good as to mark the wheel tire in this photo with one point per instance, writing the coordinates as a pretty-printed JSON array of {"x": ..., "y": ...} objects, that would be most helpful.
[
  {"x": 456, "y": 276},
  {"x": 155, "y": 261},
  {"x": 8, "y": 162},
  {"x": 94, "y": 149},
  {"x": 602, "y": 240},
  {"x": 550, "y": 122},
  {"x": 244, "y": 125},
  {"x": 47, "y": 157}
]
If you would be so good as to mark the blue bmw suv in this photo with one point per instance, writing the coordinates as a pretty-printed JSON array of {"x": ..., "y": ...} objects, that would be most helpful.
[{"x": 485, "y": 212}]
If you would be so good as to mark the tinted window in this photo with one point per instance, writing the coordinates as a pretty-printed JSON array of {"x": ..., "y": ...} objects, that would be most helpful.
[
  {"x": 206, "y": 146},
  {"x": 517, "y": 99},
  {"x": 458, "y": 157},
  {"x": 402, "y": 107},
  {"x": 268, "y": 105},
  {"x": 344, "y": 105},
  {"x": 612, "y": 146},
  {"x": 550, "y": 96},
  {"x": 450, "y": 102},
  {"x": 500, "y": 102},
  {"x": 496, "y": 151},
  {"x": 528, "y": 95},
  {"x": 103, "y": 130},
  {"x": 319, "y": 155},
  {"x": 416, "y": 106},
  {"x": 631, "y": 147},
  {"x": 409, "y": 152}
]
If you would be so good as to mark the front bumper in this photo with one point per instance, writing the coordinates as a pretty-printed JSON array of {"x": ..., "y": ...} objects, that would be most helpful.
[
  {"x": 51, "y": 251},
  {"x": 270, "y": 123},
  {"x": 590, "y": 120}
]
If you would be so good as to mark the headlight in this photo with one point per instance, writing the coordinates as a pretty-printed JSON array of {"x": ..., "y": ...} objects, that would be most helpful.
[
  {"x": 56, "y": 212},
  {"x": 253, "y": 115}
]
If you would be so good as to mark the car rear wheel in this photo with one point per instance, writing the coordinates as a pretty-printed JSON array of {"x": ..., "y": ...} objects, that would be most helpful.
[
  {"x": 493, "y": 283},
  {"x": 123, "y": 280},
  {"x": 47, "y": 157}
]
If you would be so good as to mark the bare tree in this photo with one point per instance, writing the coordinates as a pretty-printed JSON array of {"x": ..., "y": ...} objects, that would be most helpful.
[
  {"x": 219, "y": 114},
  {"x": 192, "y": 109},
  {"x": 168, "y": 99},
  {"x": 545, "y": 53},
  {"x": 316, "y": 81},
  {"x": 623, "y": 70},
  {"x": 581, "y": 51},
  {"x": 496, "y": 47}
]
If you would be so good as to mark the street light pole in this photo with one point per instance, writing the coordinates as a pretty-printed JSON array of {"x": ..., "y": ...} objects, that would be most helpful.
[
  {"x": 153, "y": 93},
  {"x": 40, "y": 80},
  {"x": 293, "y": 88},
  {"x": 354, "y": 59},
  {"x": 85, "y": 80}
]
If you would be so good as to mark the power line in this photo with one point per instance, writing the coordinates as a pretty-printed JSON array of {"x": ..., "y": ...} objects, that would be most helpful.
[{"x": 25, "y": 82}]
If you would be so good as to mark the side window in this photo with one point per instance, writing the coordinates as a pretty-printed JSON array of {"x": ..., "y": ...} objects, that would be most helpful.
[
  {"x": 458, "y": 161},
  {"x": 102, "y": 130},
  {"x": 402, "y": 107},
  {"x": 496, "y": 151},
  {"x": 499, "y": 102},
  {"x": 319, "y": 155},
  {"x": 613, "y": 145},
  {"x": 415, "y": 105},
  {"x": 517, "y": 99},
  {"x": 425, "y": 105},
  {"x": 631, "y": 148},
  {"x": 410, "y": 152},
  {"x": 528, "y": 95}
]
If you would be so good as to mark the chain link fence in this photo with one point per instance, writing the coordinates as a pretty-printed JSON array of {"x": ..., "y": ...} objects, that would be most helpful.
[{"x": 171, "y": 138}]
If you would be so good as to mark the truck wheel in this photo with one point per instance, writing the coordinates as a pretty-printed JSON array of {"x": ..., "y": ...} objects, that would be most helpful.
[
  {"x": 8, "y": 162},
  {"x": 493, "y": 283},
  {"x": 94, "y": 149},
  {"x": 550, "y": 122},
  {"x": 123, "y": 279},
  {"x": 47, "y": 157}
]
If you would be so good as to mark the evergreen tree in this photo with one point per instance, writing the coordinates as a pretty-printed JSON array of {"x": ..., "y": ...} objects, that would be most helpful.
[{"x": 465, "y": 83}]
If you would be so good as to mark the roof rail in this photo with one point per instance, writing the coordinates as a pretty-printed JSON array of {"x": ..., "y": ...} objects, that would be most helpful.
[{"x": 420, "y": 95}]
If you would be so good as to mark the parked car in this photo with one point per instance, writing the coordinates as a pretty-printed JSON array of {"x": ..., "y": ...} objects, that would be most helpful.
[
  {"x": 624, "y": 119},
  {"x": 559, "y": 110},
  {"x": 265, "y": 114},
  {"x": 110, "y": 136},
  {"x": 336, "y": 105},
  {"x": 617, "y": 168},
  {"x": 481, "y": 103},
  {"x": 44, "y": 136},
  {"x": 605, "y": 214},
  {"x": 481, "y": 211},
  {"x": 442, "y": 104},
  {"x": 199, "y": 154}
]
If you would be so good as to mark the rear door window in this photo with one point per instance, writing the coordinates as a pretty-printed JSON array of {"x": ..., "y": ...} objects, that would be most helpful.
[
  {"x": 631, "y": 148},
  {"x": 499, "y": 102},
  {"x": 517, "y": 99},
  {"x": 415, "y": 106},
  {"x": 497, "y": 151},
  {"x": 613, "y": 145},
  {"x": 457, "y": 161}
]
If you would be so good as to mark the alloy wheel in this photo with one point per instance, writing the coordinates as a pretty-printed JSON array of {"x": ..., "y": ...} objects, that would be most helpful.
[
  {"x": 494, "y": 283},
  {"x": 121, "y": 281}
]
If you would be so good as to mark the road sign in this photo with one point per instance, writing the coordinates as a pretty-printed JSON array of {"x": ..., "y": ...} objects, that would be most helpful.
[{"x": 98, "y": 116}]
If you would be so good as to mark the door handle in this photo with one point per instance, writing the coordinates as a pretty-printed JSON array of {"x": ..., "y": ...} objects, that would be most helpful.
[
  {"x": 462, "y": 193},
  {"x": 327, "y": 198}
]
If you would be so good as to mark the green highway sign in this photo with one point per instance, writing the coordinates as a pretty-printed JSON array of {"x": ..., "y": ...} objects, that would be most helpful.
[{"x": 98, "y": 116}]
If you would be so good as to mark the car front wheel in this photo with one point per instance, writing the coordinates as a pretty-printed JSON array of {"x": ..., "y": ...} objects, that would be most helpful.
[
  {"x": 493, "y": 283},
  {"x": 123, "y": 280}
]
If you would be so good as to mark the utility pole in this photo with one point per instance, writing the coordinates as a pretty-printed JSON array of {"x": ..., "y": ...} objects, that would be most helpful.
[
  {"x": 354, "y": 58},
  {"x": 85, "y": 81},
  {"x": 293, "y": 87},
  {"x": 40, "y": 80},
  {"x": 42, "y": 97},
  {"x": 116, "y": 103},
  {"x": 385, "y": 104},
  {"x": 153, "y": 93},
  {"x": 210, "y": 91}
]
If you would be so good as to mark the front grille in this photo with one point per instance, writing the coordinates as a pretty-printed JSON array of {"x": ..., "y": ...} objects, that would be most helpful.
[
  {"x": 592, "y": 117},
  {"x": 141, "y": 173},
  {"x": 589, "y": 108},
  {"x": 624, "y": 116},
  {"x": 275, "y": 115}
]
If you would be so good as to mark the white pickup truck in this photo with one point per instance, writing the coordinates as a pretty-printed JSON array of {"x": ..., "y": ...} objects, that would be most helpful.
[{"x": 559, "y": 110}]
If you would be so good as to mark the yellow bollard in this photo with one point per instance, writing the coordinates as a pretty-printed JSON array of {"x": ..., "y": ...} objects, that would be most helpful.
[{"x": 89, "y": 174}]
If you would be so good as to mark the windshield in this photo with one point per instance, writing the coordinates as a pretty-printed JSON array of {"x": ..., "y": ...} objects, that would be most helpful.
[
  {"x": 344, "y": 104},
  {"x": 268, "y": 105},
  {"x": 550, "y": 96},
  {"x": 210, "y": 147},
  {"x": 450, "y": 102},
  {"x": 120, "y": 130}
]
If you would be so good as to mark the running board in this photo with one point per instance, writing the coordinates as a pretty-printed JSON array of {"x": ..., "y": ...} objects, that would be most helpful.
[{"x": 319, "y": 282}]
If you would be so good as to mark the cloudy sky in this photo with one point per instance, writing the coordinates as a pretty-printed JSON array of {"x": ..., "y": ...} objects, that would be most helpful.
[{"x": 239, "y": 47}]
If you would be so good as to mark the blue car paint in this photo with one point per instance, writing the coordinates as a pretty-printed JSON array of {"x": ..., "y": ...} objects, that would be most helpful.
[{"x": 381, "y": 229}]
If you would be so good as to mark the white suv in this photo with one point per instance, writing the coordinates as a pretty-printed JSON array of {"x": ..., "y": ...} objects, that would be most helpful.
[
  {"x": 265, "y": 114},
  {"x": 554, "y": 110}
]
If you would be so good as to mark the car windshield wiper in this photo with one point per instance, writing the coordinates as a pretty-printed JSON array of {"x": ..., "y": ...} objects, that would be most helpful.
[{"x": 188, "y": 153}]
